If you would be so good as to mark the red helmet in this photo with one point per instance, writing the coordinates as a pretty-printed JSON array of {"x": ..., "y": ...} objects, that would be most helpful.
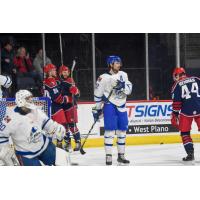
[
  {"x": 63, "y": 68},
  {"x": 49, "y": 67},
  {"x": 178, "y": 72}
]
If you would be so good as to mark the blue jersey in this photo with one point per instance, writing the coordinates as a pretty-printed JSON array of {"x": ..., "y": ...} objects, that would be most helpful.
[{"x": 186, "y": 96}]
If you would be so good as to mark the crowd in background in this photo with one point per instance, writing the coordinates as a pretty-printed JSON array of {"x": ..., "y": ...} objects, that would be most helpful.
[
  {"x": 26, "y": 72},
  {"x": 22, "y": 59}
]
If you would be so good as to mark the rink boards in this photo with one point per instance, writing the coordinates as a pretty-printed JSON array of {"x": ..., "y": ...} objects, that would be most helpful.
[{"x": 149, "y": 123}]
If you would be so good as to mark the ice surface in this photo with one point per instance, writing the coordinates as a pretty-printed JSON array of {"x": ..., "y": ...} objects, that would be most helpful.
[{"x": 147, "y": 155}]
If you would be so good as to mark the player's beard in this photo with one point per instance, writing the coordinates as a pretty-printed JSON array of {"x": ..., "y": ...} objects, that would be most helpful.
[{"x": 115, "y": 71}]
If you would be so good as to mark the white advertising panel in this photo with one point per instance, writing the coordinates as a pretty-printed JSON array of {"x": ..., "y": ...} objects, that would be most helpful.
[{"x": 145, "y": 117}]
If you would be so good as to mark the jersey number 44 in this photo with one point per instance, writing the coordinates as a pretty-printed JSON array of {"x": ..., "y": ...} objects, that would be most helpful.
[{"x": 186, "y": 93}]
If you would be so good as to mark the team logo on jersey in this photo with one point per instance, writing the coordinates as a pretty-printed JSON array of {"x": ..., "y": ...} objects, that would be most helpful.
[{"x": 35, "y": 135}]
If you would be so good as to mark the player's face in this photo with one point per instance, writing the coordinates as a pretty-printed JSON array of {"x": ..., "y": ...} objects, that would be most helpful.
[
  {"x": 176, "y": 78},
  {"x": 116, "y": 67},
  {"x": 53, "y": 73},
  {"x": 29, "y": 99},
  {"x": 65, "y": 74}
]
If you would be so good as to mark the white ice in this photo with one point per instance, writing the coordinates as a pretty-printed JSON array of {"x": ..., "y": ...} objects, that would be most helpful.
[{"x": 146, "y": 155}]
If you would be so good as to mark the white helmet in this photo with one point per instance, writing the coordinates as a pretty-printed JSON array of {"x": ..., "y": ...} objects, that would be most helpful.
[{"x": 21, "y": 99}]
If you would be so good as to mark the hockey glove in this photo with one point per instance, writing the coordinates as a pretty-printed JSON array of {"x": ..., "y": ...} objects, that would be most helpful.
[
  {"x": 74, "y": 90},
  {"x": 96, "y": 113},
  {"x": 120, "y": 85},
  {"x": 59, "y": 132},
  {"x": 175, "y": 119}
]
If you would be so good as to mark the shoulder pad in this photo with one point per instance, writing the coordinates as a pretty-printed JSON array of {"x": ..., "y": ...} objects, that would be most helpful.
[
  {"x": 196, "y": 77},
  {"x": 50, "y": 82}
]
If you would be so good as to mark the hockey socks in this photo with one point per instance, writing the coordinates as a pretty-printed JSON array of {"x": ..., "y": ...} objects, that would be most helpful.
[
  {"x": 108, "y": 141},
  {"x": 75, "y": 132},
  {"x": 121, "y": 138},
  {"x": 67, "y": 137},
  {"x": 187, "y": 142}
]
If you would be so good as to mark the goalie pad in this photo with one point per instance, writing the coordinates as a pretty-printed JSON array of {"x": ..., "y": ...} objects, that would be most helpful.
[
  {"x": 61, "y": 157},
  {"x": 7, "y": 156}
]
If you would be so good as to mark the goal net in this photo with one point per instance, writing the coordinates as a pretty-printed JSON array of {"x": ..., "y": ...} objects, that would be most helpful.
[{"x": 43, "y": 103}]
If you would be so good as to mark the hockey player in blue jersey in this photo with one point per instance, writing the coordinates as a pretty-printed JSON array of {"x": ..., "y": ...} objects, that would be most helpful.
[
  {"x": 186, "y": 107},
  {"x": 110, "y": 96}
]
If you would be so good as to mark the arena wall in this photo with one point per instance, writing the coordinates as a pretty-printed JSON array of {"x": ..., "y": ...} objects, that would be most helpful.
[{"x": 149, "y": 123}]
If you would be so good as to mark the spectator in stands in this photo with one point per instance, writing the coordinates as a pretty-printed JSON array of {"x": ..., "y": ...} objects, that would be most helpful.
[
  {"x": 7, "y": 66},
  {"x": 7, "y": 56},
  {"x": 38, "y": 62},
  {"x": 24, "y": 66}
]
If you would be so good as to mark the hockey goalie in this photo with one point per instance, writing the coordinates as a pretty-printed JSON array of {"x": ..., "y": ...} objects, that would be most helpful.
[{"x": 31, "y": 131}]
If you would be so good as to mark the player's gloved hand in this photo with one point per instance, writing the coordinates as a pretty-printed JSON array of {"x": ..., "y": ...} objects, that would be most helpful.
[
  {"x": 175, "y": 119},
  {"x": 59, "y": 132},
  {"x": 96, "y": 113},
  {"x": 74, "y": 90},
  {"x": 119, "y": 85}
]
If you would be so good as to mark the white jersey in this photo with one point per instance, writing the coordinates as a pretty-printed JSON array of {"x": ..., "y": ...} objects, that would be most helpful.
[
  {"x": 105, "y": 84},
  {"x": 27, "y": 131},
  {"x": 5, "y": 81}
]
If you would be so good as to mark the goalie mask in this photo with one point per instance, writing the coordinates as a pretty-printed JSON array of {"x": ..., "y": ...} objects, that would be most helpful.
[{"x": 23, "y": 98}]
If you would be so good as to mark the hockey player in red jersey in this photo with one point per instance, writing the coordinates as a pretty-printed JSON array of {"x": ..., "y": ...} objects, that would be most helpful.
[
  {"x": 186, "y": 107},
  {"x": 52, "y": 90},
  {"x": 69, "y": 89}
]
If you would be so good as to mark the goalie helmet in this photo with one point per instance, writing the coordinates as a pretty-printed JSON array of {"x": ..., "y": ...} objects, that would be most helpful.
[
  {"x": 178, "y": 73},
  {"x": 23, "y": 98},
  {"x": 49, "y": 67},
  {"x": 112, "y": 59}
]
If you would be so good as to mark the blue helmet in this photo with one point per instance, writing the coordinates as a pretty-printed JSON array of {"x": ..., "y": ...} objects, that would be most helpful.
[{"x": 111, "y": 59}]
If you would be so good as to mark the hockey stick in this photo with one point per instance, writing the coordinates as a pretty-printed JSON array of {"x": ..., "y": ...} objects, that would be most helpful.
[
  {"x": 61, "y": 49},
  {"x": 88, "y": 134},
  {"x": 73, "y": 103}
]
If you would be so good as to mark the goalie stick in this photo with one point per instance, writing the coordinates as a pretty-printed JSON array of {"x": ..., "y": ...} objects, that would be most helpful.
[{"x": 88, "y": 134}]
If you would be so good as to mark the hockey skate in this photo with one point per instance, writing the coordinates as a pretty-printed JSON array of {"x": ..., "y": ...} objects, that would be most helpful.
[
  {"x": 189, "y": 157},
  {"x": 67, "y": 146},
  {"x": 78, "y": 146},
  {"x": 122, "y": 160},
  {"x": 108, "y": 159}
]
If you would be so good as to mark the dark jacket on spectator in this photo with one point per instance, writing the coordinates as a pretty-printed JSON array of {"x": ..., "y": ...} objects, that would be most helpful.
[
  {"x": 23, "y": 65},
  {"x": 7, "y": 67}
]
